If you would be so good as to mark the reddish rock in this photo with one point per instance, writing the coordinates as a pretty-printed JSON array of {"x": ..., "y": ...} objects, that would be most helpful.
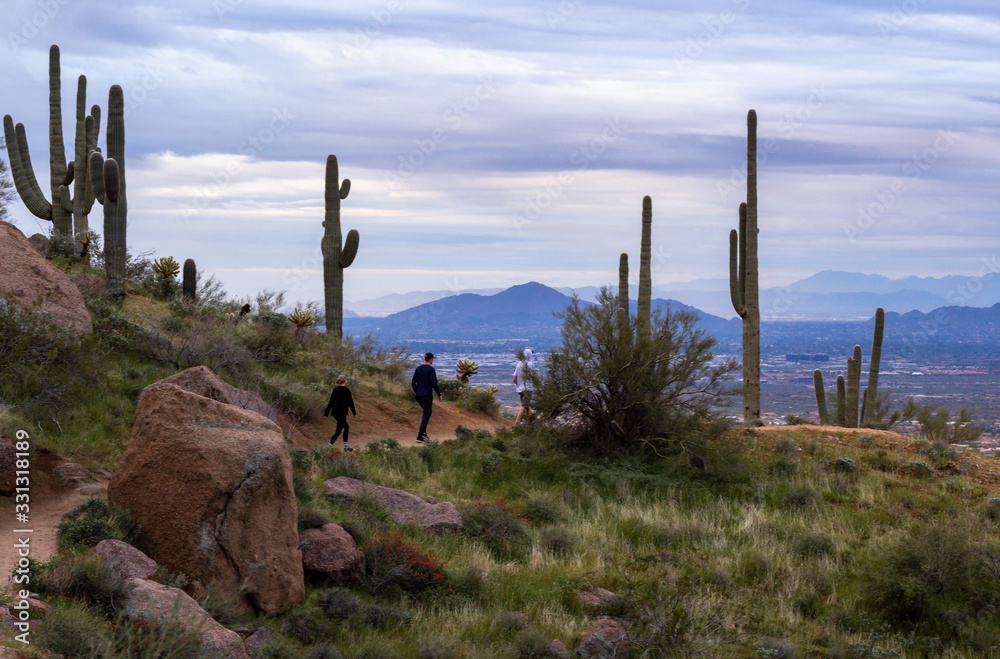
[
  {"x": 605, "y": 640},
  {"x": 597, "y": 597},
  {"x": 34, "y": 283},
  {"x": 404, "y": 507},
  {"x": 203, "y": 381},
  {"x": 8, "y": 466},
  {"x": 210, "y": 485},
  {"x": 72, "y": 473},
  {"x": 556, "y": 648},
  {"x": 256, "y": 642},
  {"x": 155, "y": 603},
  {"x": 331, "y": 551},
  {"x": 126, "y": 559}
]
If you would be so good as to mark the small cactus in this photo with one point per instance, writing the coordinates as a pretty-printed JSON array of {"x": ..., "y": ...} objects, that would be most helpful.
[
  {"x": 302, "y": 319},
  {"x": 190, "y": 289},
  {"x": 465, "y": 369},
  {"x": 166, "y": 267}
]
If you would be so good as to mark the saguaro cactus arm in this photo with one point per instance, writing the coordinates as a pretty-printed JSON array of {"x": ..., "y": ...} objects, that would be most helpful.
[
  {"x": 24, "y": 175},
  {"x": 737, "y": 264},
  {"x": 841, "y": 401},
  {"x": 96, "y": 167},
  {"x": 643, "y": 314},
  {"x": 824, "y": 413},
  {"x": 871, "y": 393},
  {"x": 350, "y": 249}
]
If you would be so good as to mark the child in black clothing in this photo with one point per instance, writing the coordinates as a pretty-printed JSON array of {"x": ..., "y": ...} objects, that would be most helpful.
[{"x": 341, "y": 401}]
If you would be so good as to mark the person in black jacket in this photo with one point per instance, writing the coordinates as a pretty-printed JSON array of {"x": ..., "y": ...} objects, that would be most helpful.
[
  {"x": 341, "y": 400},
  {"x": 424, "y": 383}
]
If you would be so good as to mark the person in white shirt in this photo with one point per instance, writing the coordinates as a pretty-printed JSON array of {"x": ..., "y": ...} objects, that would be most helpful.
[{"x": 522, "y": 385}]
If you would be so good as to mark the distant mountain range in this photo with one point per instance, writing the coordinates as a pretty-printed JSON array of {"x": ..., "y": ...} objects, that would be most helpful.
[
  {"x": 827, "y": 295},
  {"x": 527, "y": 314}
]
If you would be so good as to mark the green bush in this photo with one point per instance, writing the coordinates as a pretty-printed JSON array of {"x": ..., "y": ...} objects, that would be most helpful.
[
  {"x": 338, "y": 603},
  {"x": 920, "y": 469},
  {"x": 92, "y": 521},
  {"x": 452, "y": 389},
  {"x": 993, "y": 508},
  {"x": 496, "y": 524},
  {"x": 71, "y": 629},
  {"x": 85, "y": 577},
  {"x": 801, "y": 496},
  {"x": 543, "y": 510},
  {"x": 468, "y": 436},
  {"x": 304, "y": 625},
  {"x": 338, "y": 463},
  {"x": 482, "y": 400},
  {"x": 557, "y": 540}
]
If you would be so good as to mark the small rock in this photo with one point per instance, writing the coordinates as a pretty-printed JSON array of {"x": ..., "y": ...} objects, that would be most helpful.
[
  {"x": 126, "y": 559},
  {"x": 597, "y": 597},
  {"x": 431, "y": 500},
  {"x": 404, "y": 507},
  {"x": 72, "y": 473},
  {"x": 37, "y": 607},
  {"x": 606, "y": 639},
  {"x": 255, "y": 644},
  {"x": 331, "y": 551},
  {"x": 556, "y": 648}
]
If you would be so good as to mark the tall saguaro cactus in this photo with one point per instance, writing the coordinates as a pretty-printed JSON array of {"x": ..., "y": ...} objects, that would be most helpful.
[
  {"x": 335, "y": 256},
  {"x": 744, "y": 281},
  {"x": 62, "y": 211},
  {"x": 824, "y": 413},
  {"x": 624, "y": 333},
  {"x": 853, "y": 387},
  {"x": 643, "y": 314},
  {"x": 871, "y": 393},
  {"x": 108, "y": 178}
]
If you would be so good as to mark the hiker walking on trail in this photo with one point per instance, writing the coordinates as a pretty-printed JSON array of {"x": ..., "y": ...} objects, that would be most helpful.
[
  {"x": 341, "y": 401},
  {"x": 523, "y": 386},
  {"x": 425, "y": 384}
]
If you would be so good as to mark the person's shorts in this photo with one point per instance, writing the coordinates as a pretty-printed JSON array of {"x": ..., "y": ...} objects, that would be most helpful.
[{"x": 525, "y": 398}]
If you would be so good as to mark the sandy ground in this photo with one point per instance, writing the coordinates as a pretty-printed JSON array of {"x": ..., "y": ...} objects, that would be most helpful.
[{"x": 376, "y": 419}]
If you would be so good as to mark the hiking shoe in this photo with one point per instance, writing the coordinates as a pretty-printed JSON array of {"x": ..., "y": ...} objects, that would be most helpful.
[
  {"x": 420, "y": 440},
  {"x": 347, "y": 449}
]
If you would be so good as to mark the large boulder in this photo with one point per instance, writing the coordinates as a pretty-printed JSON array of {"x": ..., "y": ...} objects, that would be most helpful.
[
  {"x": 404, "y": 507},
  {"x": 203, "y": 381},
  {"x": 34, "y": 283},
  {"x": 332, "y": 552},
  {"x": 210, "y": 485},
  {"x": 154, "y": 604}
]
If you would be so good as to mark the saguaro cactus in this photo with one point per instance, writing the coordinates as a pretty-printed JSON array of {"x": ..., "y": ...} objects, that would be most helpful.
[
  {"x": 62, "y": 211},
  {"x": 743, "y": 280},
  {"x": 853, "y": 387},
  {"x": 108, "y": 178},
  {"x": 190, "y": 285},
  {"x": 624, "y": 333},
  {"x": 871, "y": 393},
  {"x": 824, "y": 413},
  {"x": 335, "y": 257},
  {"x": 841, "y": 401},
  {"x": 643, "y": 314}
]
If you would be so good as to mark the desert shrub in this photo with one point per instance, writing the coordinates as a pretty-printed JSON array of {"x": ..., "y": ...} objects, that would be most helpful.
[
  {"x": 911, "y": 576},
  {"x": 920, "y": 469},
  {"x": 369, "y": 356},
  {"x": 557, "y": 540},
  {"x": 881, "y": 460},
  {"x": 807, "y": 605},
  {"x": 482, "y": 400},
  {"x": 511, "y": 620},
  {"x": 200, "y": 336},
  {"x": 41, "y": 361},
  {"x": 676, "y": 625},
  {"x": 383, "y": 616},
  {"x": 814, "y": 544},
  {"x": 279, "y": 647},
  {"x": 394, "y": 564},
  {"x": 112, "y": 326},
  {"x": 938, "y": 425},
  {"x": 430, "y": 454},
  {"x": 84, "y": 577},
  {"x": 468, "y": 436},
  {"x": 543, "y": 510},
  {"x": 302, "y": 489},
  {"x": 490, "y": 462},
  {"x": 438, "y": 648},
  {"x": 993, "y": 508},
  {"x": 784, "y": 465},
  {"x": 842, "y": 466},
  {"x": 304, "y": 625},
  {"x": 323, "y": 651},
  {"x": 938, "y": 451},
  {"x": 796, "y": 420},
  {"x": 625, "y": 391},
  {"x": 338, "y": 463},
  {"x": 338, "y": 603},
  {"x": 470, "y": 583},
  {"x": 71, "y": 629},
  {"x": 801, "y": 496},
  {"x": 92, "y": 521},
  {"x": 497, "y": 526},
  {"x": 530, "y": 644},
  {"x": 226, "y": 606},
  {"x": 452, "y": 389},
  {"x": 141, "y": 640},
  {"x": 775, "y": 648}
]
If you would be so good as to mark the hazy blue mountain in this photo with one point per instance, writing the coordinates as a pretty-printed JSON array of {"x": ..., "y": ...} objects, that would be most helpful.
[{"x": 396, "y": 302}]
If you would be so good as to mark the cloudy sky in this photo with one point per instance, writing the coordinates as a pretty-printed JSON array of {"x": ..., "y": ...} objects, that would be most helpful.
[{"x": 490, "y": 144}]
